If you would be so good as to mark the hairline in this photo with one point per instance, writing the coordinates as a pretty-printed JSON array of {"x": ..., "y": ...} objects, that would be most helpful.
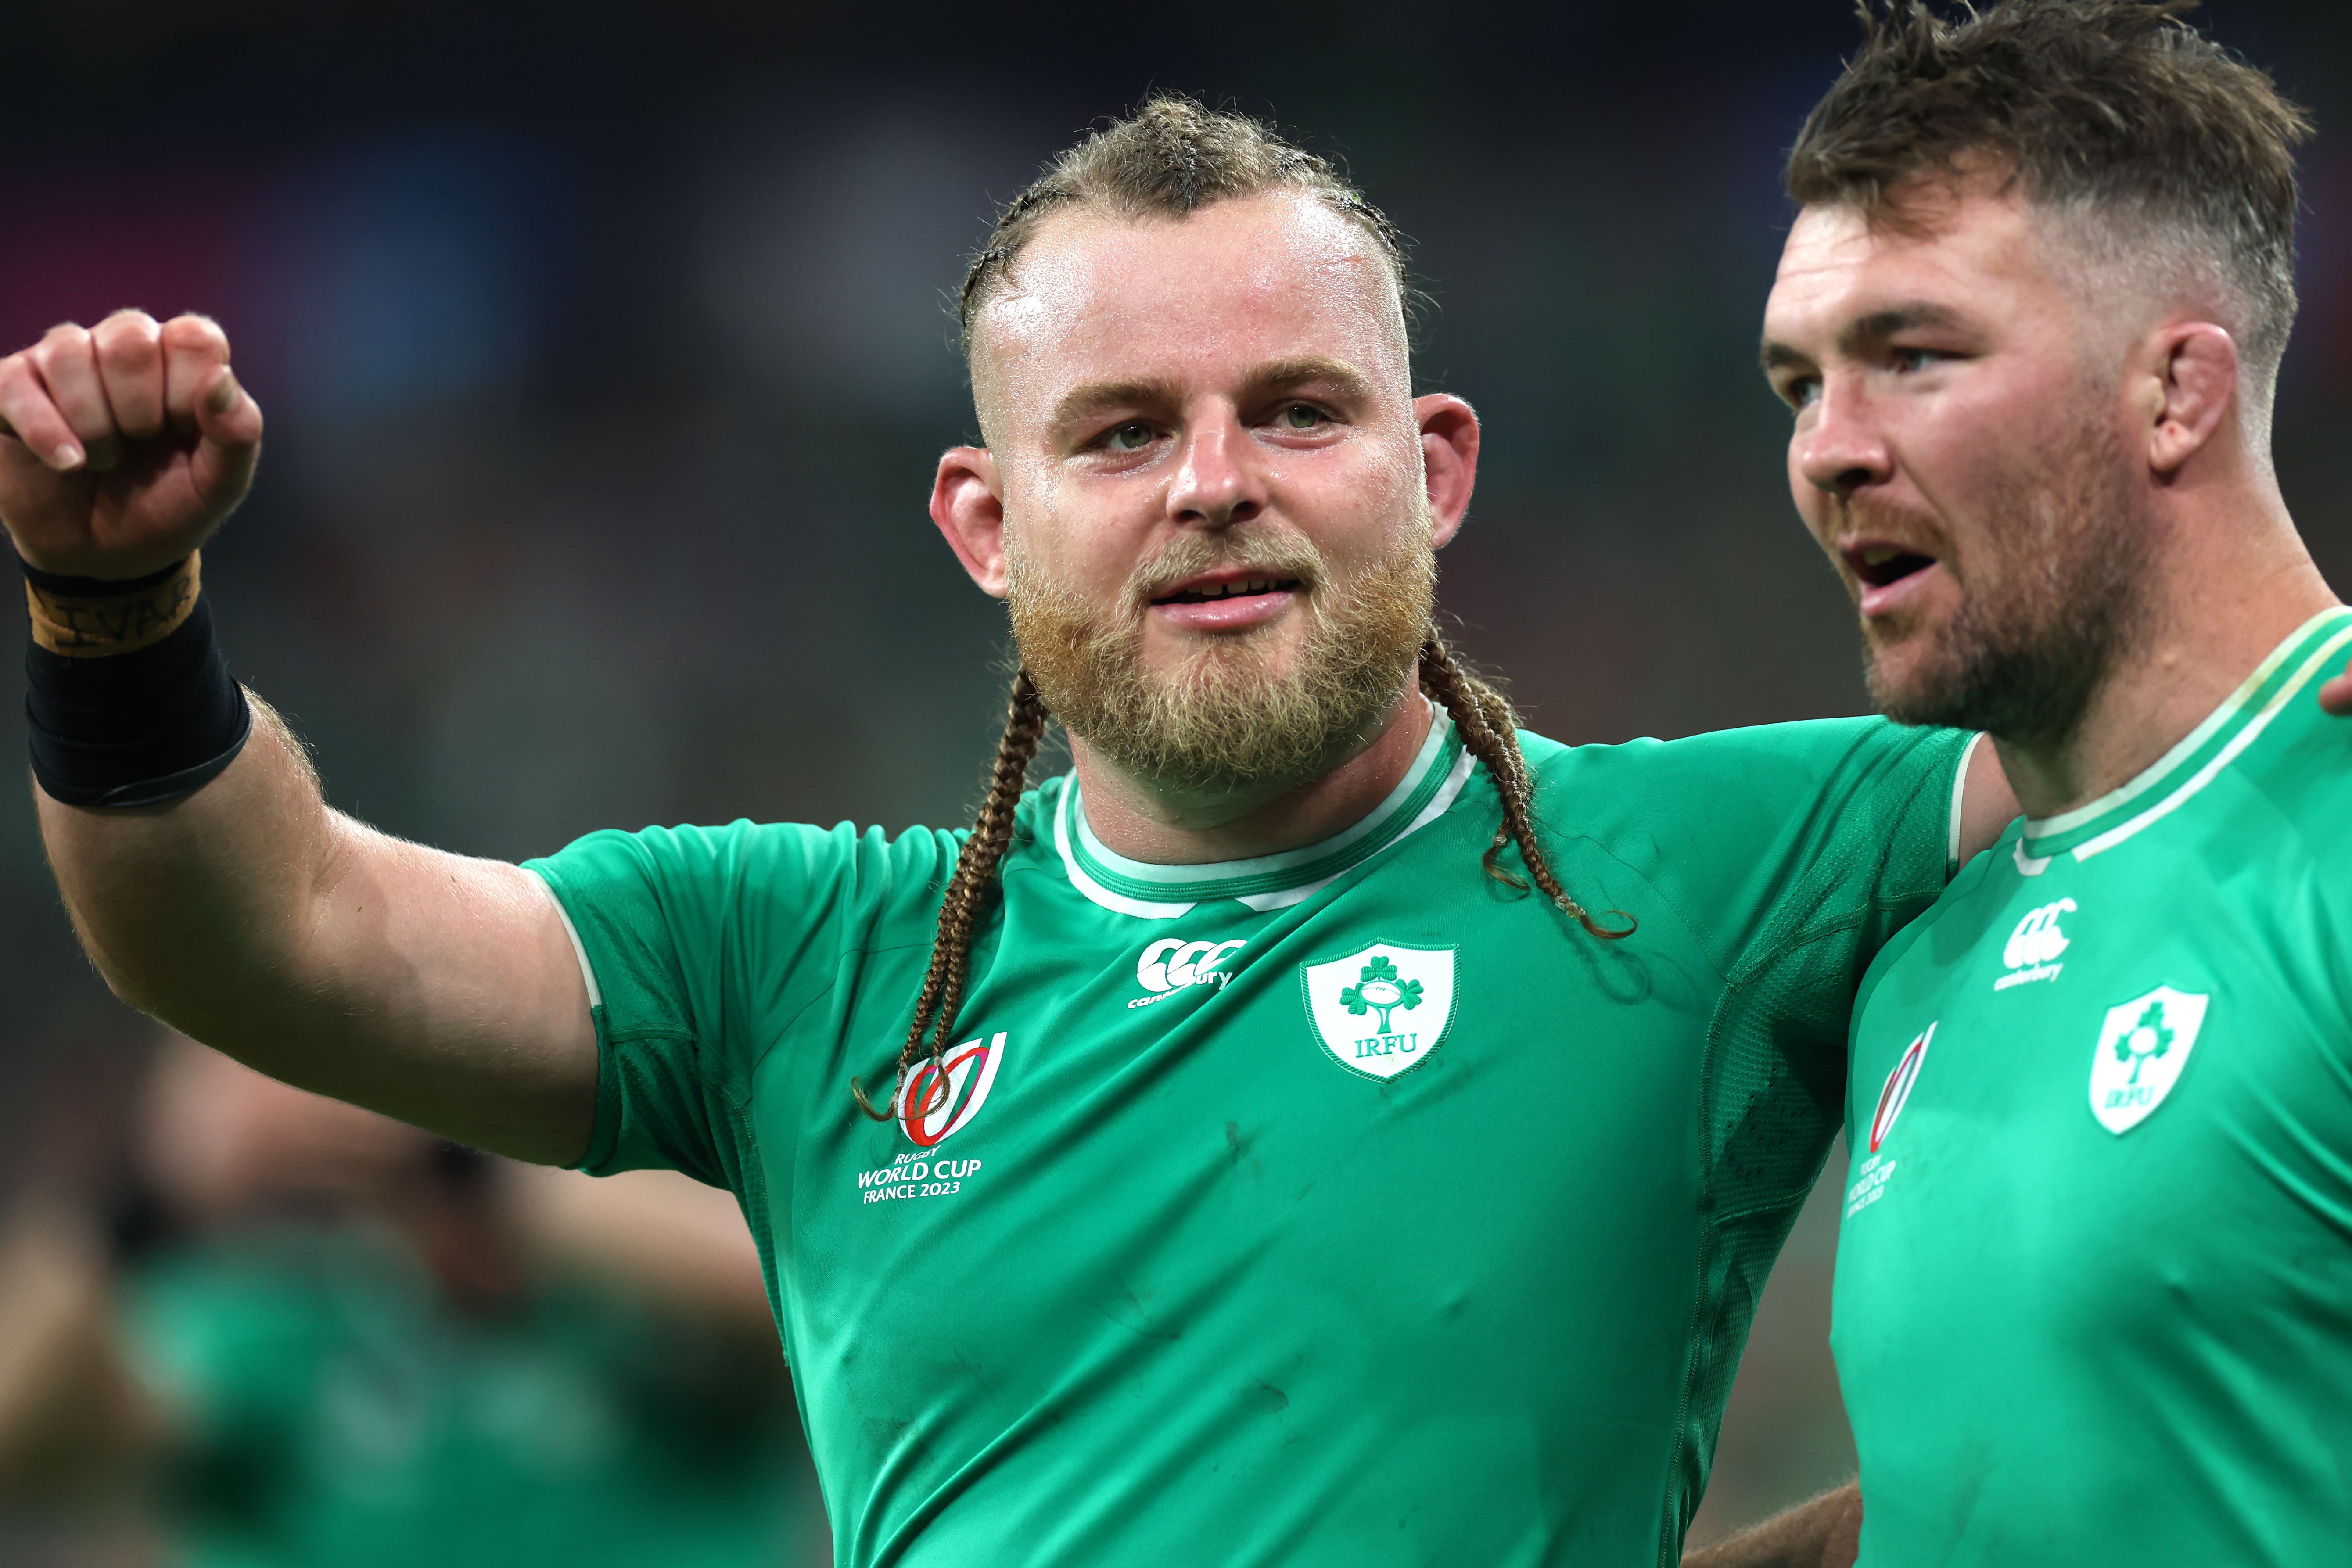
[{"x": 1092, "y": 207}]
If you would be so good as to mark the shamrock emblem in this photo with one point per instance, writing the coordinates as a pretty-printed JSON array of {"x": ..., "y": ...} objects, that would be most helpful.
[
  {"x": 1379, "y": 989},
  {"x": 2147, "y": 1039}
]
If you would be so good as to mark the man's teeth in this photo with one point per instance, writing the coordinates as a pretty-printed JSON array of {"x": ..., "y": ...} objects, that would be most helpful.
[
  {"x": 1228, "y": 590},
  {"x": 1878, "y": 557}
]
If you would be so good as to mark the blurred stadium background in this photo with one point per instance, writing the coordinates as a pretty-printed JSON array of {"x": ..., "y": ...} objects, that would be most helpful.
[{"x": 605, "y": 353}]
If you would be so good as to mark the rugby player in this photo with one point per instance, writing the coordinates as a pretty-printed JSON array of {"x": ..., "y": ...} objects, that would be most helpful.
[
  {"x": 1328, "y": 1127},
  {"x": 2091, "y": 1284}
]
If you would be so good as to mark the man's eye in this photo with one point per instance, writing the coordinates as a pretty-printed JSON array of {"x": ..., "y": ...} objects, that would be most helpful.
[
  {"x": 1302, "y": 416},
  {"x": 1132, "y": 436},
  {"x": 1910, "y": 362},
  {"x": 1803, "y": 392}
]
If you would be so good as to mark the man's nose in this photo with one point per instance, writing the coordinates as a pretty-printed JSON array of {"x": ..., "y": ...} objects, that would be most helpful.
[
  {"x": 1217, "y": 483},
  {"x": 1841, "y": 449}
]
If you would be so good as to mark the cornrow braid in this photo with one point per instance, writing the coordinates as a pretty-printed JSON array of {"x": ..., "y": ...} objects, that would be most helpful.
[
  {"x": 1490, "y": 732},
  {"x": 968, "y": 894}
]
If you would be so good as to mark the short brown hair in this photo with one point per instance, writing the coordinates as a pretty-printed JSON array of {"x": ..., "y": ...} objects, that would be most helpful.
[
  {"x": 1170, "y": 157},
  {"x": 2116, "y": 108}
]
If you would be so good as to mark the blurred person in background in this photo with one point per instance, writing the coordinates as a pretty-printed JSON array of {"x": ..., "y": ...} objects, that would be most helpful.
[{"x": 305, "y": 1334}]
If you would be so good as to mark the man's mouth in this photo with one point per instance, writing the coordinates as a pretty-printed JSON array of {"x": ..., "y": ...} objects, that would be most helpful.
[
  {"x": 1229, "y": 599},
  {"x": 1210, "y": 593},
  {"x": 1882, "y": 565},
  {"x": 1890, "y": 574}
]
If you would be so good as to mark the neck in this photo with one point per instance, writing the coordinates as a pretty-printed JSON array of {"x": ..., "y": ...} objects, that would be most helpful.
[
  {"x": 1145, "y": 820},
  {"x": 2238, "y": 583}
]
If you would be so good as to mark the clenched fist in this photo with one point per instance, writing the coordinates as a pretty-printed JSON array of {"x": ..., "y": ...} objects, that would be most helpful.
[{"x": 123, "y": 445}]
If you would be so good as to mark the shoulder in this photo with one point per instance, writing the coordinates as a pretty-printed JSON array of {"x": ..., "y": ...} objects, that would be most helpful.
[
  {"x": 690, "y": 880},
  {"x": 1806, "y": 742},
  {"x": 1960, "y": 913},
  {"x": 1731, "y": 785},
  {"x": 746, "y": 855},
  {"x": 2308, "y": 778},
  {"x": 1767, "y": 838}
]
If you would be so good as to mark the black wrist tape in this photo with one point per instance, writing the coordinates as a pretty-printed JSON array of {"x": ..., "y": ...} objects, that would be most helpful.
[{"x": 138, "y": 727}]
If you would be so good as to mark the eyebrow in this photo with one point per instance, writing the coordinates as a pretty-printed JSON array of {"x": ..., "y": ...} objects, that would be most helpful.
[
  {"x": 1344, "y": 379},
  {"x": 1877, "y": 326},
  {"x": 1083, "y": 402},
  {"x": 1097, "y": 397}
]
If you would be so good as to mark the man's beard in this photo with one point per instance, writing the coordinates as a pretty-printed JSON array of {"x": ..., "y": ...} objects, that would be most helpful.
[
  {"x": 1222, "y": 723},
  {"x": 2037, "y": 634}
]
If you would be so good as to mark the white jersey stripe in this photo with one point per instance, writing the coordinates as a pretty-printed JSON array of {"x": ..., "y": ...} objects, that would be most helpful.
[{"x": 2221, "y": 758}]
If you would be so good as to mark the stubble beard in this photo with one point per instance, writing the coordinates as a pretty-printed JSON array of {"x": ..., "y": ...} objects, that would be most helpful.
[
  {"x": 2039, "y": 632},
  {"x": 1224, "y": 722}
]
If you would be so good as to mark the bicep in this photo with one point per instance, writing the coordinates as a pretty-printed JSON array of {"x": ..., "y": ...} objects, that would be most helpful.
[
  {"x": 452, "y": 995},
  {"x": 437, "y": 989}
]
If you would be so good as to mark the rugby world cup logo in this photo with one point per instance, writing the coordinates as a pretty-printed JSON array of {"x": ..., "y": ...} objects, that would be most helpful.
[
  {"x": 939, "y": 1099},
  {"x": 1897, "y": 1093}
]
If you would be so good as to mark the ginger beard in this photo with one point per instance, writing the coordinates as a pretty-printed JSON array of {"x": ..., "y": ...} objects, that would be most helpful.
[
  {"x": 1224, "y": 722},
  {"x": 2059, "y": 595}
]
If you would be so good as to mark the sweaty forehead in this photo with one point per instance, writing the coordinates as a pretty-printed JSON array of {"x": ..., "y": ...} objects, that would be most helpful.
[
  {"x": 1971, "y": 254},
  {"x": 1192, "y": 302}
]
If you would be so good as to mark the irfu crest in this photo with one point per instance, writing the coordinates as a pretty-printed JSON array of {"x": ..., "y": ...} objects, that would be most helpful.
[
  {"x": 2143, "y": 1045},
  {"x": 1383, "y": 1011}
]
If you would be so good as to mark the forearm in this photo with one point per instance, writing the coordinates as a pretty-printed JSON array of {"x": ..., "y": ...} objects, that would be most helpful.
[
  {"x": 252, "y": 916},
  {"x": 1822, "y": 1533}
]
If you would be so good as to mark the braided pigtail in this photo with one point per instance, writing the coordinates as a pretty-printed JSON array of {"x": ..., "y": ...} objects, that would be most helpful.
[
  {"x": 969, "y": 892},
  {"x": 1490, "y": 732}
]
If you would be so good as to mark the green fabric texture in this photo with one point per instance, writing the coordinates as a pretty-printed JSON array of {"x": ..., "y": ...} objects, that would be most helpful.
[
  {"x": 2092, "y": 1282},
  {"x": 1386, "y": 1218},
  {"x": 332, "y": 1413}
]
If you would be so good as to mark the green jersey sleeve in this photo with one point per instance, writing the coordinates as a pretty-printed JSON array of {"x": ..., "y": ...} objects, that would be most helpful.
[
  {"x": 706, "y": 948},
  {"x": 1791, "y": 853},
  {"x": 1782, "y": 834}
]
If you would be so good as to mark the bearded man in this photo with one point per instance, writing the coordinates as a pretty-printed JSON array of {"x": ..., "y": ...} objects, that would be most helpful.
[
  {"x": 1329, "y": 1127},
  {"x": 2094, "y": 1269}
]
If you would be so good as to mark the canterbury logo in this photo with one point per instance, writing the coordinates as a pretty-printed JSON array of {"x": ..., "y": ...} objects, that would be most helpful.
[
  {"x": 937, "y": 1104},
  {"x": 2032, "y": 950},
  {"x": 1171, "y": 964},
  {"x": 2037, "y": 939}
]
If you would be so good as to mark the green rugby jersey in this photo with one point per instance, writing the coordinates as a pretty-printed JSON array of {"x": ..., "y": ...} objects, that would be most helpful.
[
  {"x": 2094, "y": 1297},
  {"x": 1343, "y": 1207}
]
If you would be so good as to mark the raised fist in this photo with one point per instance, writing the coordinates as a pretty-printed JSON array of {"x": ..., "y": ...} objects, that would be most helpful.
[{"x": 123, "y": 445}]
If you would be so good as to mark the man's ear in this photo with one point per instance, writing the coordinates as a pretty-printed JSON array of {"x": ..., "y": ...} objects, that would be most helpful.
[
  {"x": 2196, "y": 385},
  {"x": 1449, "y": 460},
  {"x": 968, "y": 503}
]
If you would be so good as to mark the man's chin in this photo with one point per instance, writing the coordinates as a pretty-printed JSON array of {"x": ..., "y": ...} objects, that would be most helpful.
[
  {"x": 1910, "y": 684},
  {"x": 1260, "y": 656}
]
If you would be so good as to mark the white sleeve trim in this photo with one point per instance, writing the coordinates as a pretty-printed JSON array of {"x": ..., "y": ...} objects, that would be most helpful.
[
  {"x": 587, "y": 970},
  {"x": 1952, "y": 840}
]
